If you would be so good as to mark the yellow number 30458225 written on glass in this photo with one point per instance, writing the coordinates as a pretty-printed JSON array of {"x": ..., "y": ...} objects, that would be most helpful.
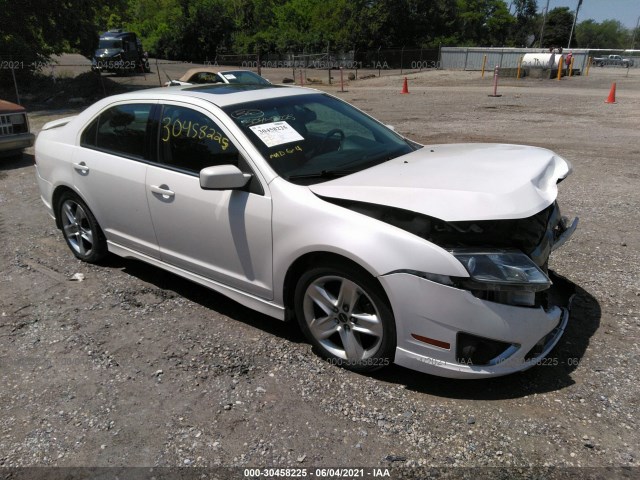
[{"x": 186, "y": 128}]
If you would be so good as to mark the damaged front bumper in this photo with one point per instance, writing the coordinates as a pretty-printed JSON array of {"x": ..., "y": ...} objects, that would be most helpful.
[
  {"x": 438, "y": 327},
  {"x": 455, "y": 332}
]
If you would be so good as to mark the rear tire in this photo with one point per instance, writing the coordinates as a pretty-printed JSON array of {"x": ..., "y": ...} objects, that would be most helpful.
[{"x": 80, "y": 229}]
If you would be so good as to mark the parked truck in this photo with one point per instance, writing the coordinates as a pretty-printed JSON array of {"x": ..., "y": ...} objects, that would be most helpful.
[
  {"x": 613, "y": 60},
  {"x": 120, "y": 52}
]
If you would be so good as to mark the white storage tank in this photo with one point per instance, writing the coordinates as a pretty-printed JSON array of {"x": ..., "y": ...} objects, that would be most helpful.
[{"x": 541, "y": 60}]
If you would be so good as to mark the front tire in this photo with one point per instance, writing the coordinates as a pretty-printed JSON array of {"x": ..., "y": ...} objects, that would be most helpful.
[
  {"x": 80, "y": 229},
  {"x": 346, "y": 316}
]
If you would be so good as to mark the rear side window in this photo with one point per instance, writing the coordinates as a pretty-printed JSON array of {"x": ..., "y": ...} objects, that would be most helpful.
[
  {"x": 205, "y": 77},
  {"x": 121, "y": 130},
  {"x": 190, "y": 140},
  {"x": 88, "y": 138}
]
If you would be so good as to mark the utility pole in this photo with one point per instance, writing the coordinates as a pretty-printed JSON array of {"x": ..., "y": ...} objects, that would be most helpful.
[
  {"x": 575, "y": 19},
  {"x": 544, "y": 20},
  {"x": 633, "y": 40}
]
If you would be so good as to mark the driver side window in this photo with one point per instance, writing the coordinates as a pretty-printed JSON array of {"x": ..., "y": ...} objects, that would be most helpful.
[{"x": 191, "y": 141}]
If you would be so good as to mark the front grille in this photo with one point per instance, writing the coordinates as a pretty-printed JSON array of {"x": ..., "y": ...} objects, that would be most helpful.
[
  {"x": 13, "y": 124},
  {"x": 6, "y": 127}
]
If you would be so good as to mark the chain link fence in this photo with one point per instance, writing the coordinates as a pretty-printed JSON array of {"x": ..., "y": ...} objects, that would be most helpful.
[
  {"x": 16, "y": 74},
  {"x": 17, "y": 81},
  {"x": 388, "y": 59}
]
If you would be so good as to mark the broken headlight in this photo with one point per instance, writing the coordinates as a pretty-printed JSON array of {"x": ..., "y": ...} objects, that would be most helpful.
[{"x": 501, "y": 270}]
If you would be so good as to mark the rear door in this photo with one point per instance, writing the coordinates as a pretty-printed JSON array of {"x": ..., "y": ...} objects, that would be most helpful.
[{"x": 109, "y": 171}]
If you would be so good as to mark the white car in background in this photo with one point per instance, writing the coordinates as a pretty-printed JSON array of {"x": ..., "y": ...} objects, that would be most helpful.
[
  {"x": 202, "y": 75},
  {"x": 300, "y": 206}
]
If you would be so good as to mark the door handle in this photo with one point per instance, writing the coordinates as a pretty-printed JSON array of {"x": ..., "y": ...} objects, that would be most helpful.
[
  {"x": 162, "y": 190},
  {"x": 81, "y": 167}
]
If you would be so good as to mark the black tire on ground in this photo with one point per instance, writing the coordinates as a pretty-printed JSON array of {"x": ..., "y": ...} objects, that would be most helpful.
[
  {"x": 80, "y": 229},
  {"x": 344, "y": 313}
]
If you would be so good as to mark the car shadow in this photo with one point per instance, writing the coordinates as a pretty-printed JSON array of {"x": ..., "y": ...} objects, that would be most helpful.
[
  {"x": 551, "y": 374},
  {"x": 206, "y": 297},
  {"x": 14, "y": 162}
]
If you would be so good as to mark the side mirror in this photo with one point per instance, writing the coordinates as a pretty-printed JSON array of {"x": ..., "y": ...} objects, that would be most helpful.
[
  {"x": 391, "y": 127},
  {"x": 223, "y": 177}
]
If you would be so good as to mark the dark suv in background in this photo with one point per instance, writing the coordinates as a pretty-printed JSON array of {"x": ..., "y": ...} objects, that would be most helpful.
[{"x": 119, "y": 51}]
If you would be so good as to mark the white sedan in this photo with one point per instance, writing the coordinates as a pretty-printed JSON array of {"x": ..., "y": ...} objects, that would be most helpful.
[{"x": 298, "y": 205}]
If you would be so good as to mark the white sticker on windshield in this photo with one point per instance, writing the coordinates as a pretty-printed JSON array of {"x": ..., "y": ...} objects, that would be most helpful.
[
  {"x": 229, "y": 76},
  {"x": 276, "y": 133}
]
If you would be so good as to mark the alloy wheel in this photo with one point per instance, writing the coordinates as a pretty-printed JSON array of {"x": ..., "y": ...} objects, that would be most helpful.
[{"x": 343, "y": 318}]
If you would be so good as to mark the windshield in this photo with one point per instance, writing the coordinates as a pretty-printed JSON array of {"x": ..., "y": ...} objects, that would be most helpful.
[
  {"x": 312, "y": 138},
  {"x": 109, "y": 43},
  {"x": 244, "y": 77}
]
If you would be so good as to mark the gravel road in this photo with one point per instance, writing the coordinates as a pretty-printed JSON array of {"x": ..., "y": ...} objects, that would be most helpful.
[{"x": 133, "y": 366}]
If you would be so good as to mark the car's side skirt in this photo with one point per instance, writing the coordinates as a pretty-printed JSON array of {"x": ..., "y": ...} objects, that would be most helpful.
[{"x": 251, "y": 301}]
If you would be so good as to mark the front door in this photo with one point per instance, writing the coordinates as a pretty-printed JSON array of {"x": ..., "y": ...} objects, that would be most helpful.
[{"x": 222, "y": 235}]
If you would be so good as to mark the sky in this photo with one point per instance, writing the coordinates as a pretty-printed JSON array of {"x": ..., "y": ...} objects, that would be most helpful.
[{"x": 625, "y": 11}]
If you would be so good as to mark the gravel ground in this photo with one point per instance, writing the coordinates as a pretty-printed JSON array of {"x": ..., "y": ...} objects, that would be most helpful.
[{"x": 134, "y": 366}]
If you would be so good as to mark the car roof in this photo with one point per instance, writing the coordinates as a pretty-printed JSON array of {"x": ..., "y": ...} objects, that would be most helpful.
[
  {"x": 220, "y": 94},
  {"x": 114, "y": 35},
  {"x": 192, "y": 71}
]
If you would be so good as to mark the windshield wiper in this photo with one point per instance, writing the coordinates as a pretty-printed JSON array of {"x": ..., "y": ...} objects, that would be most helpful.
[{"x": 323, "y": 174}]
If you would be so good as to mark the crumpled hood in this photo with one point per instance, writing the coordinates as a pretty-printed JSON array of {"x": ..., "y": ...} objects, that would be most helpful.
[{"x": 459, "y": 182}]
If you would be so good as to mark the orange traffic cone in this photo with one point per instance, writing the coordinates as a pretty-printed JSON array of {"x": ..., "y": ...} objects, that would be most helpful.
[
  {"x": 405, "y": 87},
  {"x": 612, "y": 94}
]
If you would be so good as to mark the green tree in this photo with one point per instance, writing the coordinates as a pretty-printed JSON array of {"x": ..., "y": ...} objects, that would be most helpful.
[
  {"x": 558, "y": 27},
  {"x": 608, "y": 34},
  {"x": 371, "y": 24},
  {"x": 635, "y": 38},
  {"x": 155, "y": 21},
  {"x": 347, "y": 24},
  {"x": 32, "y": 30},
  {"x": 313, "y": 24},
  {"x": 293, "y": 24},
  {"x": 484, "y": 22},
  {"x": 198, "y": 29},
  {"x": 525, "y": 22},
  {"x": 203, "y": 30},
  {"x": 252, "y": 21},
  {"x": 111, "y": 15}
]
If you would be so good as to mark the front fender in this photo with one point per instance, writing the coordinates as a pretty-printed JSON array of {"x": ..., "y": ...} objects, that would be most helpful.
[{"x": 304, "y": 223}]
